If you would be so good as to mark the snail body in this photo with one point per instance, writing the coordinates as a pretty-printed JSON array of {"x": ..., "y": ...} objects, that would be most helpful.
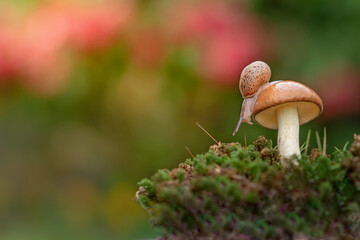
[{"x": 252, "y": 77}]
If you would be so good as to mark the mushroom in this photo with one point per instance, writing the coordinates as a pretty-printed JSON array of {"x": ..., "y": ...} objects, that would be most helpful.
[{"x": 284, "y": 105}]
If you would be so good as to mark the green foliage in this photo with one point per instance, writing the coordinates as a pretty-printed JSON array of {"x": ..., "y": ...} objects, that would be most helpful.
[{"x": 236, "y": 192}]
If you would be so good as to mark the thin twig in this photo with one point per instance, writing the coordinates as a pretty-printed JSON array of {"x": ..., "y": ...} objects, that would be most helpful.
[
  {"x": 245, "y": 140},
  {"x": 189, "y": 151},
  {"x": 207, "y": 133}
]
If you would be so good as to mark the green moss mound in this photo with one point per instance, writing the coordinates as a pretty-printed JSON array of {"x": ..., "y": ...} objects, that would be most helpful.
[{"x": 236, "y": 192}]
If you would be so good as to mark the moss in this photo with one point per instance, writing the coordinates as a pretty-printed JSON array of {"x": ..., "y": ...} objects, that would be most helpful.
[{"x": 236, "y": 192}]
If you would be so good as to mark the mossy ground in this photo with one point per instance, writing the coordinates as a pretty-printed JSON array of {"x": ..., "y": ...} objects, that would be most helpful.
[{"x": 237, "y": 192}]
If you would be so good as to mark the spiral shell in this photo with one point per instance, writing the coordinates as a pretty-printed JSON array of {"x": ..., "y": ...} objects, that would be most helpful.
[{"x": 252, "y": 77}]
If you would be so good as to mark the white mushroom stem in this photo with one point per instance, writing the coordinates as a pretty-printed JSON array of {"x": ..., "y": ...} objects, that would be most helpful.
[{"x": 288, "y": 131}]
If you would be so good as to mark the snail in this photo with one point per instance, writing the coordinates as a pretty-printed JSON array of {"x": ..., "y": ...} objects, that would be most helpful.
[{"x": 253, "y": 79}]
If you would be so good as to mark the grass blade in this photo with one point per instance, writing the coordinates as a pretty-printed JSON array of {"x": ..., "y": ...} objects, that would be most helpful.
[
  {"x": 302, "y": 147},
  {"x": 324, "y": 143},
  {"x": 307, "y": 142},
  {"x": 318, "y": 141}
]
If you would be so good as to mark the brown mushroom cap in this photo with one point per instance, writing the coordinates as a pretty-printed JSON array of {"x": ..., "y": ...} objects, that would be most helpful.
[{"x": 282, "y": 93}]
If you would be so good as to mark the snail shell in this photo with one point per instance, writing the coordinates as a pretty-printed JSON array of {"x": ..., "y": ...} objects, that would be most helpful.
[{"x": 252, "y": 77}]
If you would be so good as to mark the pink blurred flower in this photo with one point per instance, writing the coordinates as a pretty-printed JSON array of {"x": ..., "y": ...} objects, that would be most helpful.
[
  {"x": 35, "y": 48},
  {"x": 7, "y": 43},
  {"x": 85, "y": 26},
  {"x": 223, "y": 58},
  {"x": 228, "y": 35},
  {"x": 43, "y": 72},
  {"x": 46, "y": 28},
  {"x": 7, "y": 63},
  {"x": 339, "y": 91},
  {"x": 191, "y": 20},
  {"x": 39, "y": 50},
  {"x": 146, "y": 46},
  {"x": 95, "y": 27}
]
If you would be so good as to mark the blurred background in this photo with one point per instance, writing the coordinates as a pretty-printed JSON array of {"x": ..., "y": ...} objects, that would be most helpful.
[{"x": 96, "y": 95}]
